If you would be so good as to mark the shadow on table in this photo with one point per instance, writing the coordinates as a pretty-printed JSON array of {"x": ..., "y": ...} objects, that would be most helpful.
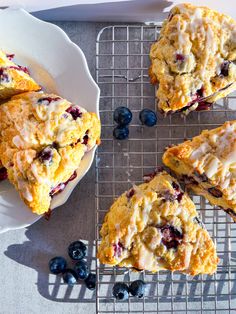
[{"x": 47, "y": 239}]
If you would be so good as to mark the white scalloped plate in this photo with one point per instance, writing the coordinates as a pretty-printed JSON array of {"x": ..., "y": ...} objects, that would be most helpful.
[{"x": 59, "y": 66}]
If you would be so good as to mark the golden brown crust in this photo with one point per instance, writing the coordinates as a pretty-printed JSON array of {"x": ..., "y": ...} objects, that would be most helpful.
[
  {"x": 42, "y": 141},
  {"x": 155, "y": 226},
  {"x": 14, "y": 79},
  {"x": 208, "y": 165},
  {"x": 193, "y": 59}
]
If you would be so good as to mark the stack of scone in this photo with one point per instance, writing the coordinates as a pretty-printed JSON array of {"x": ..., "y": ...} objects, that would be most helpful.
[
  {"x": 43, "y": 137},
  {"x": 155, "y": 225}
]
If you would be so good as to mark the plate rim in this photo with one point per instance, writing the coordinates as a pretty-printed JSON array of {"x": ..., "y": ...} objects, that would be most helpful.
[{"x": 65, "y": 194}]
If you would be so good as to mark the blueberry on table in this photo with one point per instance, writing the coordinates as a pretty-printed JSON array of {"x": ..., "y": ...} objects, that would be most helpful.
[
  {"x": 70, "y": 277},
  {"x": 148, "y": 117},
  {"x": 120, "y": 291},
  {"x": 137, "y": 288},
  {"x": 121, "y": 132},
  {"x": 90, "y": 281},
  {"x": 122, "y": 115},
  {"x": 57, "y": 265},
  {"x": 81, "y": 269},
  {"x": 77, "y": 250}
]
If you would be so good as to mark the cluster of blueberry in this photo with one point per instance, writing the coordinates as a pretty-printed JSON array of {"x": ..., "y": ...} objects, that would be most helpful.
[
  {"x": 123, "y": 116},
  {"x": 77, "y": 251},
  {"x": 121, "y": 290}
]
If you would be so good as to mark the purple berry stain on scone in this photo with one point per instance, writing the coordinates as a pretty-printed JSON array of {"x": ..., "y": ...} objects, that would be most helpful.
[
  {"x": 4, "y": 78},
  {"x": 148, "y": 177},
  {"x": 215, "y": 192},
  {"x": 10, "y": 56},
  {"x": 61, "y": 186},
  {"x": 171, "y": 237},
  {"x": 45, "y": 155},
  {"x": 130, "y": 193},
  {"x": 75, "y": 112},
  {"x": 3, "y": 174},
  {"x": 179, "y": 57},
  {"x": 224, "y": 69},
  {"x": 178, "y": 193},
  {"x": 118, "y": 248},
  {"x": 85, "y": 138},
  {"x": 47, "y": 100},
  {"x": 19, "y": 68}
]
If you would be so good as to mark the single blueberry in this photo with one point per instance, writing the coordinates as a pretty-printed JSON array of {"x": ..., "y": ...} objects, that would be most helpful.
[
  {"x": 148, "y": 117},
  {"x": 90, "y": 281},
  {"x": 46, "y": 155},
  {"x": 137, "y": 288},
  {"x": 81, "y": 269},
  {"x": 120, "y": 291},
  {"x": 70, "y": 277},
  {"x": 57, "y": 265},
  {"x": 224, "y": 69},
  {"x": 171, "y": 237},
  {"x": 121, "y": 132},
  {"x": 122, "y": 116},
  {"x": 77, "y": 250}
]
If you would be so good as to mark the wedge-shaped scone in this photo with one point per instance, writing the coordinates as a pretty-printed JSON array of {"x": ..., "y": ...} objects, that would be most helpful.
[
  {"x": 207, "y": 164},
  {"x": 155, "y": 226},
  {"x": 14, "y": 79},
  {"x": 43, "y": 138},
  {"x": 193, "y": 60}
]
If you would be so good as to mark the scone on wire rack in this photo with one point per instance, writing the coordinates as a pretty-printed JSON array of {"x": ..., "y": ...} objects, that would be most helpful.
[
  {"x": 14, "y": 79},
  {"x": 193, "y": 60},
  {"x": 43, "y": 138},
  {"x": 155, "y": 226},
  {"x": 207, "y": 164}
]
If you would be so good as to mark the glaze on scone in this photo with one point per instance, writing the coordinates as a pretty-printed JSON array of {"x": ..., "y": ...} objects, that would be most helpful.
[
  {"x": 155, "y": 226},
  {"x": 193, "y": 61},
  {"x": 14, "y": 79},
  {"x": 207, "y": 164},
  {"x": 43, "y": 138}
]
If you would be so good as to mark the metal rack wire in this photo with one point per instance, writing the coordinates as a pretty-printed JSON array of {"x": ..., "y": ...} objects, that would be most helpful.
[{"x": 122, "y": 73}]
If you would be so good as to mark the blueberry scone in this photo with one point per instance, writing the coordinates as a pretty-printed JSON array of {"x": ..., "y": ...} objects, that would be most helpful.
[
  {"x": 43, "y": 138},
  {"x": 14, "y": 79},
  {"x": 207, "y": 164},
  {"x": 193, "y": 60},
  {"x": 155, "y": 226}
]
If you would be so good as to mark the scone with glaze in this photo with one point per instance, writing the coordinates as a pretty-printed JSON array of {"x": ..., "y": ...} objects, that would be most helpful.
[
  {"x": 43, "y": 138},
  {"x": 193, "y": 60},
  {"x": 207, "y": 164},
  {"x": 14, "y": 79},
  {"x": 155, "y": 226}
]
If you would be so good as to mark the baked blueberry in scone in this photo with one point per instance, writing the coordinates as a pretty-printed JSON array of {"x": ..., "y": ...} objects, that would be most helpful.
[
  {"x": 193, "y": 61},
  {"x": 155, "y": 226},
  {"x": 207, "y": 164},
  {"x": 43, "y": 138},
  {"x": 14, "y": 79}
]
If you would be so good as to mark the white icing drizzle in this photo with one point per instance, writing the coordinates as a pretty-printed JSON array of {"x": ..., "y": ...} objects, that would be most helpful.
[
  {"x": 39, "y": 178},
  {"x": 187, "y": 258},
  {"x": 212, "y": 167},
  {"x": 200, "y": 151},
  {"x": 19, "y": 162},
  {"x": 18, "y": 142},
  {"x": 62, "y": 129},
  {"x": 22, "y": 186},
  {"x": 181, "y": 33}
]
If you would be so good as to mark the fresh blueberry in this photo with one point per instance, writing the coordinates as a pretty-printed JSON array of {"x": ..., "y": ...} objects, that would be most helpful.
[
  {"x": 121, "y": 132},
  {"x": 81, "y": 269},
  {"x": 122, "y": 116},
  {"x": 90, "y": 281},
  {"x": 70, "y": 277},
  {"x": 45, "y": 155},
  {"x": 137, "y": 288},
  {"x": 148, "y": 117},
  {"x": 57, "y": 265},
  {"x": 77, "y": 250},
  {"x": 120, "y": 291}
]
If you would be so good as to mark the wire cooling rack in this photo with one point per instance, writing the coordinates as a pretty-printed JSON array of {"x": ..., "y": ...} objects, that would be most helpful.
[{"x": 122, "y": 73}]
